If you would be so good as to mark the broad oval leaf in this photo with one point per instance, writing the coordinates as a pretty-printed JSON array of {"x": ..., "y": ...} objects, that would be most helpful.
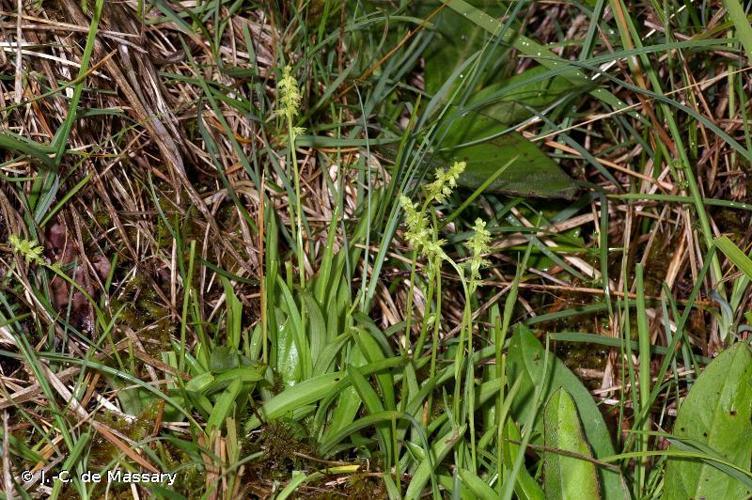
[
  {"x": 526, "y": 356},
  {"x": 566, "y": 476},
  {"x": 715, "y": 415},
  {"x": 516, "y": 98},
  {"x": 473, "y": 138}
]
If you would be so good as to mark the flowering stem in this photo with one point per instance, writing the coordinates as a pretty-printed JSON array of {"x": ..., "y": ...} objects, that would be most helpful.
[{"x": 298, "y": 204}]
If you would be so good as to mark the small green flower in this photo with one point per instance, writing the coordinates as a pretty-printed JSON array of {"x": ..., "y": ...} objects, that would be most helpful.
[
  {"x": 289, "y": 94},
  {"x": 446, "y": 180},
  {"x": 479, "y": 245},
  {"x": 29, "y": 249},
  {"x": 419, "y": 234}
]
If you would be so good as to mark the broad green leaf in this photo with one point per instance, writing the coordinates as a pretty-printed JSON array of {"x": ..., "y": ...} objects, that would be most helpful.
[
  {"x": 224, "y": 405},
  {"x": 316, "y": 325},
  {"x": 510, "y": 101},
  {"x": 531, "y": 174},
  {"x": 373, "y": 353},
  {"x": 374, "y": 406},
  {"x": 135, "y": 400},
  {"x": 295, "y": 324},
  {"x": 200, "y": 382},
  {"x": 297, "y": 396},
  {"x": 472, "y": 138},
  {"x": 223, "y": 358},
  {"x": 348, "y": 401},
  {"x": 312, "y": 390},
  {"x": 716, "y": 414},
  {"x": 526, "y": 361},
  {"x": 566, "y": 476},
  {"x": 287, "y": 363},
  {"x": 456, "y": 39}
]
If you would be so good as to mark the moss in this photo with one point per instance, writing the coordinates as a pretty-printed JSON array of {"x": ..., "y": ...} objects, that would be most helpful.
[
  {"x": 103, "y": 452},
  {"x": 363, "y": 486},
  {"x": 139, "y": 308},
  {"x": 281, "y": 445}
]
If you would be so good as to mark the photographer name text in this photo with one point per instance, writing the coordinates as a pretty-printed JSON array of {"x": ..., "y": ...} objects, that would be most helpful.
[{"x": 116, "y": 476}]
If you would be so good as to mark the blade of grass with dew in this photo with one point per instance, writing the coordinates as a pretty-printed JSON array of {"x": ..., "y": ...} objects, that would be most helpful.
[{"x": 530, "y": 48}]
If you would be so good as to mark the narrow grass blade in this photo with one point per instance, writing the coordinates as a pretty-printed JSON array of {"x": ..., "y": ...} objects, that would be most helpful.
[
  {"x": 735, "y": 255},
  {"x": 741, "y": 23}
]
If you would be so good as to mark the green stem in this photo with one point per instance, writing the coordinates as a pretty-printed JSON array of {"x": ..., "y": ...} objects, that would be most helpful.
[{"x": 298, "y": 203}]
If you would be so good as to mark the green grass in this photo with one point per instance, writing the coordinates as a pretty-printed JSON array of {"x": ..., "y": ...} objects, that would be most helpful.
[{"x": 236, "y": 246}]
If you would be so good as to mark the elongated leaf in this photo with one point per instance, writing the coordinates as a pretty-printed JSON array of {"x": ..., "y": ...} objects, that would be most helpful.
[
  {"x": 312, "y": 390},
  {"x": 367, "y": 421},
  {"x": 224, "y": 405},
  {"x": 525, "y": 485},
  {"x": 510, "y": 101},
  {"x": 735, "y": 255},
  {"x": 715, "y": 414},
  {"x": 246, "y": 374},
  {"x": 316, "y": 326},
  {"x": 348, "y": 401},
  {"x": 297, "y": 479},
  {"x": 234, "y": 314},
  {"x": 373, "y": 353},
  {"x": 19, "y": 144},
  {"x": 297, "y": 396},
  {"x": 526, "y": 361},
  {"x": 566, "y": 476},
  {"x": 288, "y": 357},
  {"x": 477, "y": 486},
  {"x": 298, "y": 333},
  {"x": 533, "y": 49},
  {"x": 472, "y": 138},
  {"x": 741, "y": 23},
  {"x": 439, "y": 450},
  {"x": 373, "y": 405}
]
